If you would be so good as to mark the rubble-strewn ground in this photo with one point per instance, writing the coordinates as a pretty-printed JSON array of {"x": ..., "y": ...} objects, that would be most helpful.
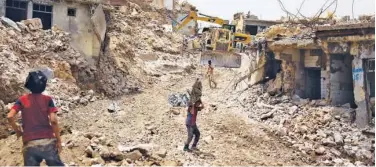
[
  {"x": 232, "y": 132},
  {"x": 140, "y": 67}
]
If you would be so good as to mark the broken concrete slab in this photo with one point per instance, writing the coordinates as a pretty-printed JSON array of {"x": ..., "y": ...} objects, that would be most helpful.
[
  {"x": 338, "y": 138},
  {"x": 33, "y": 24},
  {"x": 10, "y": 23}
]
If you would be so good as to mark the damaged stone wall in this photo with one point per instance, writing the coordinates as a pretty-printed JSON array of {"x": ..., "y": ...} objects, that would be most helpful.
[
  {"x": 80, "y": 26},
  {"x": 292, "y": 73},
  {"x": 363, "y": 51}
]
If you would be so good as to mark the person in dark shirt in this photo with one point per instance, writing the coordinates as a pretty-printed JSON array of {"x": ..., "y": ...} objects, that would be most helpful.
[
  {"x": 191, "y": 125},
  {"x": 40, "y": 129}
]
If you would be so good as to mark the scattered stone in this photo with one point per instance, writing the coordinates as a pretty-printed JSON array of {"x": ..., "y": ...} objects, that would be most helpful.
[
  {"x": 266, "y": 116},
  {"x": 83, "y": 101},
  {"x": 320, "y": 151},
  {"x": 113, "y": 107},
  {"x": 328, "y": 142},
  {"x": 89, "y": 151},
  {"x": 162, "y": 153},
  {"x": 105, "y": 154},
  {"x": 208, "y": 139},
  {"x": 91, "y": 92},
  {"x": 33, "y": 24},
  {"x": 338, "y": 161},
  {"x": 134, "y": 155},
  {"x": 117, "y": 156},
  {"x": 293, "y": 110},
  {"x": 358, "y": 163},
  {"x": 338, "y": 138},
  {"x": 335, "y": 152},
  {"x": 175, "y": 111},
  {"x": 170, "y": 163},
  {"x": 22, "y": 26},
  {"x": 321, "y": 134}
]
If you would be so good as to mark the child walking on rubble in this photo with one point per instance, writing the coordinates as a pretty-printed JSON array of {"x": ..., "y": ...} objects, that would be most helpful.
[
  {"x": 210, "y": 75},
  {"x": 195, "y": 105}
]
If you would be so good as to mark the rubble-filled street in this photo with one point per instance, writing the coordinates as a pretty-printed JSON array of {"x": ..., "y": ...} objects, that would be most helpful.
[{"x": 299, "y": 93}]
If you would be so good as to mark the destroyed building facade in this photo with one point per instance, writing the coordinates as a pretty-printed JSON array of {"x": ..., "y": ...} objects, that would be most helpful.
[
  {"x": 250, "y": 24},
  {"x": 71, "y": 16},
  {"x": 332, "y": 64},
  {"x": 351, "y": 67}
]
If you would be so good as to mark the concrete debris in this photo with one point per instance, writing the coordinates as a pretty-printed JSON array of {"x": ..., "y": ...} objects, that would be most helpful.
[
  {"x": 9, "y": 22},
  {"x": 113, "y": 107},
  {"x": 327, "y": 127},
  {"x": 320, "y": 151},
  {"x": 134, "y": 155},
  {"x": 338, "y": 138},
  {"x": 33, "y": 24},
  {"x": 161, "y": 153}
]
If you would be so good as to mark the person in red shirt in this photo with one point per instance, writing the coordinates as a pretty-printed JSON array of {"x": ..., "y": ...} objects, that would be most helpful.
[
  {"x": 40, "y": 130},
  {"x": 191, "y": 125}
]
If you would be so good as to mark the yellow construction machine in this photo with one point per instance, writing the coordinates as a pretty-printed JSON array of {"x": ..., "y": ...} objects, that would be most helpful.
[{"x": 218, "y": 42}]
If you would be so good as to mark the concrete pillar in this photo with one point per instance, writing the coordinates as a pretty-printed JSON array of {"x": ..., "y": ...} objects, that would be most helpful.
[
  {"x": 29, "y": 10},
  {"x": 2, "y": 7},
  {"x": 359, "y": 92}
]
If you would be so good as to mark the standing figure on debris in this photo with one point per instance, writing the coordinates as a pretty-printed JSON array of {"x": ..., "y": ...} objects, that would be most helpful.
[
  {"x": 210, "y": 75},
  {"x": 195, "y": 105},
  {"x": 40, "y": 131}
]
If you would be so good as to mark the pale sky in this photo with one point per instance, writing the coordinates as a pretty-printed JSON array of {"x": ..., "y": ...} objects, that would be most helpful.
[{"x": 270, "y": 9}]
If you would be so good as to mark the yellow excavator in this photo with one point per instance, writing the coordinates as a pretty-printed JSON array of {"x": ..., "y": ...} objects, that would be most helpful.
[{"x": 219, "y": 42}]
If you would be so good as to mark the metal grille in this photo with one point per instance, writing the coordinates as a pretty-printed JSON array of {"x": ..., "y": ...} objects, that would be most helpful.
[
  {"x": 42, "y": 8},
  {"x": 222, "y": 46},
  {"x": 16, "y": 4}
]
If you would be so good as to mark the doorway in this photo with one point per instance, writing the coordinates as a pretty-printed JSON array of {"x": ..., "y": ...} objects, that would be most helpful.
[{"x": 313, "y": 83}]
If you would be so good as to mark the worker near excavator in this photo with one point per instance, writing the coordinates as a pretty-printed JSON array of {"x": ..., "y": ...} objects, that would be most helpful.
[
  {"x": 195, "y": 105},
  {"x": 40, "y": 130},
  {"x": 210, "y": 75}
]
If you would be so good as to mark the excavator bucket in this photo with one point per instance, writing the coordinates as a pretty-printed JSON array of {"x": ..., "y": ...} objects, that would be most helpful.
[{"x": 221, "y": 59}]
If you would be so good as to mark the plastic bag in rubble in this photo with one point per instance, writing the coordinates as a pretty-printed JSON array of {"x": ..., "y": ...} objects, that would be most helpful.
[{"x": 178, "y": 99}]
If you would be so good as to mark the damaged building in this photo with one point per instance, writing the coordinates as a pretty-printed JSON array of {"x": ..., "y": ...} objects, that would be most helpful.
[
  {"x": 333, "y": 65},
  {"x": 251, "y": 24},
  {"x": 351, "y": 51},
  {"x": 81, "y": 19}
]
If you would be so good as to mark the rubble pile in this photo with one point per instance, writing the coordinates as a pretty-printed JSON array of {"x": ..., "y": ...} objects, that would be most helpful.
[
  {"x": 98, "y": 149},
  {"x": 138, "y": 46},
  {"x": 311, "y": 127},
  {"x": 24, "y": 46}
]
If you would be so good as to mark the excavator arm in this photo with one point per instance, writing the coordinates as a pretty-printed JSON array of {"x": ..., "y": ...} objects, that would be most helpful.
[
  {"x": 194, "y": 16},
  {"x": 183, "y": 22}
]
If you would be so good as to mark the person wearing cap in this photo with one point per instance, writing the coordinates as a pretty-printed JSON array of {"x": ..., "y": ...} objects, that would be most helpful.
[{"x": 40, "y": 130}]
